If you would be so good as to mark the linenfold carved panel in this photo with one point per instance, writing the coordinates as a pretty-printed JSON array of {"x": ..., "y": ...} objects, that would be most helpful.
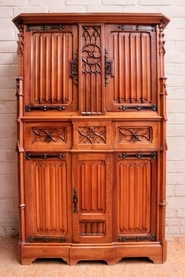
[
  {"x": 50, "y": 66},
  {"x": 134, "y": 81},
  {"x": 134, "y": 50},
  {"x": 134, "y": 188},
  {"x": 50, "y": 192},
  {"x": 92, "y": 190}
]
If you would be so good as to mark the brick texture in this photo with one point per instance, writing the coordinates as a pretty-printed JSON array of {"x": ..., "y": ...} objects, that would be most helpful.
[{"x": 175, "y": 68}]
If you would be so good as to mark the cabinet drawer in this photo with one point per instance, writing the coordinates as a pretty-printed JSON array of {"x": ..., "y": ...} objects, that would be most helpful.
[
  {"x": 91, "y": 134},
  {"x": 135, "y": 135},
  {"x": 47, "y": 135}
]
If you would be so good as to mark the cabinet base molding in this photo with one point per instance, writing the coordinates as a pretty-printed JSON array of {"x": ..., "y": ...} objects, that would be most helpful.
[{"x": 110, "y": 253}]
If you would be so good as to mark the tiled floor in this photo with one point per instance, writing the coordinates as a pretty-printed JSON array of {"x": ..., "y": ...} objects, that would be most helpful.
[{"x": 174, "y": 267}]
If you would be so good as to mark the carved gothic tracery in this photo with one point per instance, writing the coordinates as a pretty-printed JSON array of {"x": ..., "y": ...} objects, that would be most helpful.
[
  {"x": 92, "y": 135},
  {"x": 135, "y": 134},
  {"x": 48, "y": 135},
  {"x": 91, "y": 52}
]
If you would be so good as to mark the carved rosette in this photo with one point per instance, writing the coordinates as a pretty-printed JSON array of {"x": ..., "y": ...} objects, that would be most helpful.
[
  {"x": 92, "y": 135},
  {"x": 134, "y": 134}
]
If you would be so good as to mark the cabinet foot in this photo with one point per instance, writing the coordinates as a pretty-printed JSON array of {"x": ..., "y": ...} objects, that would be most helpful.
[
  {"x": 92, "y": 253},
  {"x": 156, "y": 259}
]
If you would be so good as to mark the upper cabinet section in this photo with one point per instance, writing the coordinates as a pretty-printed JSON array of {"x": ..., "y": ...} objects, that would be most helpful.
[{"x": 71, "y": 65}]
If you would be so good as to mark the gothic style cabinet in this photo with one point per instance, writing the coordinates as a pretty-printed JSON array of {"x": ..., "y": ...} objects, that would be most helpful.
[{"x": 91, "y": 145}]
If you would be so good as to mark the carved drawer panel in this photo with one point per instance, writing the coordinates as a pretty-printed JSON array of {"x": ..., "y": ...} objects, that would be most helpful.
[
  {"x": 135, "y": 135},
  {"x": 92, "y": 134},
  {"x": 47, "y": 135}
]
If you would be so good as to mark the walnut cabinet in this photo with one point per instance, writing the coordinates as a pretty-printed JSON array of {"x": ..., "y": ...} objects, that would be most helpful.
[{"x": 91, "y": 117}]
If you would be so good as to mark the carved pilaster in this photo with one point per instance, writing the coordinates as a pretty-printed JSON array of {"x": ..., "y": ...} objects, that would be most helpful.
[
  {"x": 162, "y": 50},
  {"x": 19, "y": 86},
  {"x": 20, "y": 42}
]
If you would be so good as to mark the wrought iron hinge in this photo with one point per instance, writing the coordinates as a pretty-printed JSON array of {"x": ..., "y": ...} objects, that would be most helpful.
[
  {"x": 45, "y": 239},
  {"x": 108, "y": 68},
  {"x": 44, "y": 27},
  {"x": 137, "y": 238},
  {"x": 44, "y": 108},
  {"x": 141, "y": 28},
  {"x": 138, "y": 107},
  {"x": 44, "y": 156},
  {"x": 152, "y": 155}
]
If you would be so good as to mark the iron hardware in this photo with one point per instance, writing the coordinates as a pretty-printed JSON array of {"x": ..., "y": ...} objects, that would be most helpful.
[
  {"x": 44, "y": 156},
  {"x": 138, "y": 107},
  {"x": 44, "y": 108},
  {"x": 152, "y": 155},
  {"x": 46, "y": 239},
  {"x": 75, "y": 200},
  {"x": 137, "y": 238}
]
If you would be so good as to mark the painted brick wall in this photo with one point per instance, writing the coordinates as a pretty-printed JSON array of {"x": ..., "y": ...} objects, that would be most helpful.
[{"x": 175, "y": 71}]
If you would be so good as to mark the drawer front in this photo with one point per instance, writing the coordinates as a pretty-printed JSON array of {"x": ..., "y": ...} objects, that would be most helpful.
[
  {"x": 91, "y": 135},
  {"x": 47, "y": 135},
  {"x": 135, "y": 135}
]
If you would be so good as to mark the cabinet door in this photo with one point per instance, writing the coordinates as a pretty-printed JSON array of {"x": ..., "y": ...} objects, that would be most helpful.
[
  {"x": 92, "y": 198},
  {"x": 135, "y": 197},
  {"x": 130, "y": 67},
  {"x": 51, "y": 77},
  {"x": 47, "y": 194}
]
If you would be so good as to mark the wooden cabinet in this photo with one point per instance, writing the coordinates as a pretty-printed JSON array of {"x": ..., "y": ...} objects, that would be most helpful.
[{"x": 91, "y": 113}]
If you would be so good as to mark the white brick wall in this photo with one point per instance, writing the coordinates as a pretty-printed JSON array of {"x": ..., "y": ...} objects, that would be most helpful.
[{"x": 175, "y": 71}]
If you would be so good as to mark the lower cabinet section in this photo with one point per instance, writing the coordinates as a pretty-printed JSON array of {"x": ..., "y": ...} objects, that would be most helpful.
[{"x": 91, "y": 206}]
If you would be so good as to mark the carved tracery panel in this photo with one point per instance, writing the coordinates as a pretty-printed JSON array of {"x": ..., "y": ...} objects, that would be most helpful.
[
  {"x": 92, "y": 135},
  {"x": 91, "y": 67},
  {"x": 134, "y": 134}
]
